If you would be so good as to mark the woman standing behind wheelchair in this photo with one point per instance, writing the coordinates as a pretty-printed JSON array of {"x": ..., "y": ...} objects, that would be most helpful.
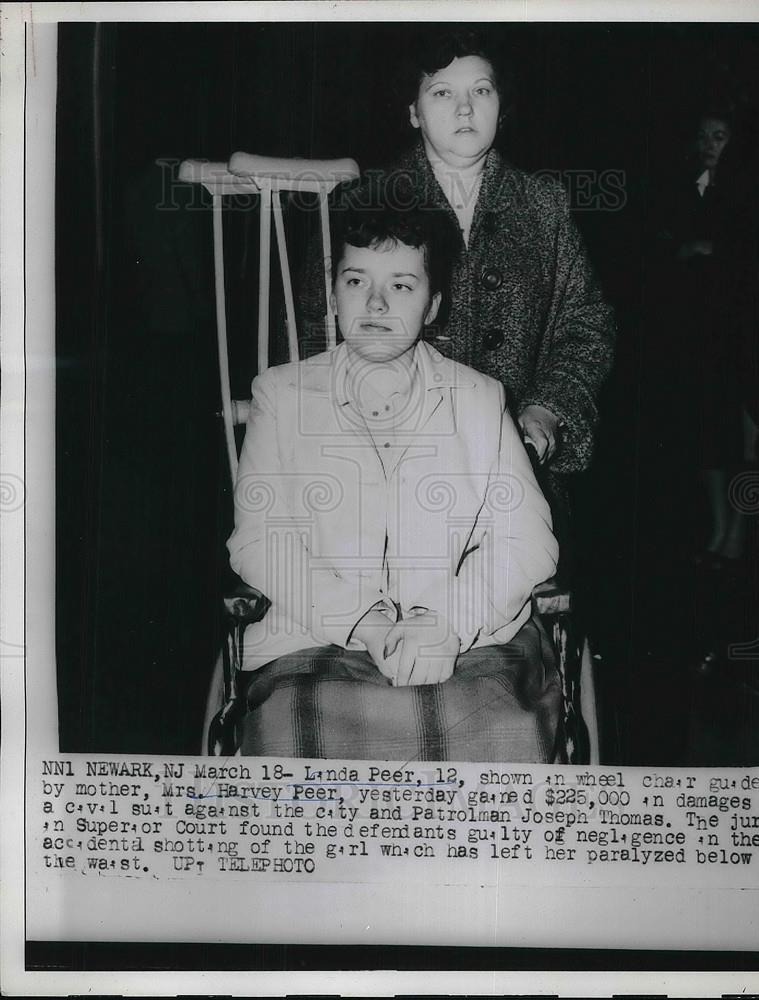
[{"x": 525, "y": 307}]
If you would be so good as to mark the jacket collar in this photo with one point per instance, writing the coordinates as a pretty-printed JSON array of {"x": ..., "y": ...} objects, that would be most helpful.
[
  {"x": 322, "y": 381},
  {"x": 326, "y": 374}
]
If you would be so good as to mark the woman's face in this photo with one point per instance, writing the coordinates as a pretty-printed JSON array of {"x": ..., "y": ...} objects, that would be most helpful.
[
  {"x": 382, "y": 300},
  {"x": 712, "y": 137},
  {"x": 457, "y": 111}
]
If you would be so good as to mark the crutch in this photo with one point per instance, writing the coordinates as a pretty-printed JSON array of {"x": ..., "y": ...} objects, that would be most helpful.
[{"x": 267, "y": 177}]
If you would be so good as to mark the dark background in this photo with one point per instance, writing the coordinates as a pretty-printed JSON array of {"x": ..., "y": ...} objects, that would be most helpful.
[{"x": 144, "y": 503}]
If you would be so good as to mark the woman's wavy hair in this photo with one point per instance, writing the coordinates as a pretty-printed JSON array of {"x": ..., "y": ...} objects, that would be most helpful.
[{"x": 430, "y": 52}]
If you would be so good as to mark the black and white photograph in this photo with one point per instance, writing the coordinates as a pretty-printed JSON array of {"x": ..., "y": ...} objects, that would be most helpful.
[
  {"x": 576, "y": 208},
  {"x": 381, "y": 415}
]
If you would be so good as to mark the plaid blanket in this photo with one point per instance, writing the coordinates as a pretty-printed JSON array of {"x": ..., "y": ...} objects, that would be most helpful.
[{"x": 503, "y": 703}]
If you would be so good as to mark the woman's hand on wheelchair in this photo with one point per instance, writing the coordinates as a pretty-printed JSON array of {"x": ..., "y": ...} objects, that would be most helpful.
[
  {"x": 423, "y": 648},
  {"x": 540, "y": 428}
]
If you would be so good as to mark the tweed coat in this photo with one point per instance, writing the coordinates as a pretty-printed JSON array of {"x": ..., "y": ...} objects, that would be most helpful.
[
  {"x": 454, "y": 522},
  {"x": 525, "y": 307}
]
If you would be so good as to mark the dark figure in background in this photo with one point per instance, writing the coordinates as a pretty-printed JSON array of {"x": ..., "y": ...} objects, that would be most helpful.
[
  {"x": 691, "y": 591},
  {"x": 525, "y": 306},
  {"x": 707, "y": 253}
]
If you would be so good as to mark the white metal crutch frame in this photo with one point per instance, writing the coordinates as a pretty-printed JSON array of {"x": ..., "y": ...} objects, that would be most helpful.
[{"x": 267, "y": 177}]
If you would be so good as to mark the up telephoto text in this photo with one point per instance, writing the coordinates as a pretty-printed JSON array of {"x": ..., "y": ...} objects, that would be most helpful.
[{"x": 178, "y": 819}]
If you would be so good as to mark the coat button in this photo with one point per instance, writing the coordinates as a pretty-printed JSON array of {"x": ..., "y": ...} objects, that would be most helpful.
[
  {"x": 491, "y": 279},
  {"x": 492, "y": 339}
]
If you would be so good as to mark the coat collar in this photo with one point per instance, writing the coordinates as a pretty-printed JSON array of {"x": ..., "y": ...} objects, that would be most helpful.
[
  {"x": 506, "y": 201},
  {"x": 499, "y": 182}
]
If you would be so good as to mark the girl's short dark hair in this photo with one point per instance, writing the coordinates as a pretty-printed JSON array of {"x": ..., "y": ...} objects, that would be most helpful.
[{"x": 424, "y": 229}]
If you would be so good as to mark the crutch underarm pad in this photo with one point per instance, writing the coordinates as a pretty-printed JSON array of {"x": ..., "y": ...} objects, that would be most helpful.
[
  {"x": 204, "y": 171},
  {"x": 250, "y": 165}
]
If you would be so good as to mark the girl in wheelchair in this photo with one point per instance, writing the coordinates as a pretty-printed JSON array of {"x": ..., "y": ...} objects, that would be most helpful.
[{"x": 386, "y": 507}]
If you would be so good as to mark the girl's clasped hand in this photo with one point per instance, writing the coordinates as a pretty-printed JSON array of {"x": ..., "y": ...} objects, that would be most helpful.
[{"x": 419, "y": 649}]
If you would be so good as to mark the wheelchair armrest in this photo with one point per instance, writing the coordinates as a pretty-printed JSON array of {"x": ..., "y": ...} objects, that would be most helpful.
[
  {"x": 244, "y": 605},
  {"x": 552, "y": 604},
  {"x": 551, "y": 598}
]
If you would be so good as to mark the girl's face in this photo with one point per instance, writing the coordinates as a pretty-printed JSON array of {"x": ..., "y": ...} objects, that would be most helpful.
[
  {"x": 382, "y": 300},
  {"x": 457, "y": 111},
  {"x": 712, "y": 137}
]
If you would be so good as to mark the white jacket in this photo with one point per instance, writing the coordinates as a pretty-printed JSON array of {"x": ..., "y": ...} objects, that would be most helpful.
[{"x": 459, "y": 525}]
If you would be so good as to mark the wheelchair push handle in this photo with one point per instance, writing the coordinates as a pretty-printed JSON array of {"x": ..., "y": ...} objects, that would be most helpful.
[{"x": 532, "y": 454}]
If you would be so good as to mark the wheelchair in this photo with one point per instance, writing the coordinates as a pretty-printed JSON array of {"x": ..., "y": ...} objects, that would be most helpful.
[{"x": 268, "y": 180}]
